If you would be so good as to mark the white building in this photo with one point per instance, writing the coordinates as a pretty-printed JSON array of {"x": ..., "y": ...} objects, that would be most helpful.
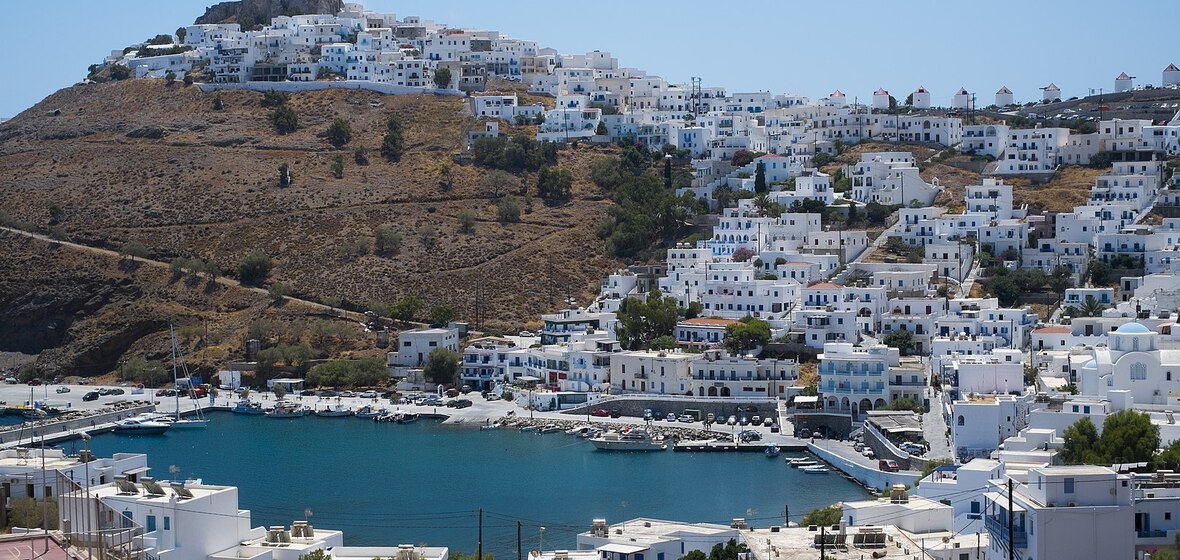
[
  {"x": 1123, "y": 83},
  {"x": 652, "y": 539},
  {"x": 414, "y": 346},
  {"x": 1076, "y": 512},
  {"x": 651, "y": 371},
  {"x": 1051, "y": 92},
  {"x": 718, "y": 374},
  {"x": 881, "y": 99},
  {"x": 1004, "y": 97},
  {"x": 961, "y": 99},
  {"x": 1171, "y": 76},
  {"x": 921, "y": 98},
  {"x": 985, "y": 140}
]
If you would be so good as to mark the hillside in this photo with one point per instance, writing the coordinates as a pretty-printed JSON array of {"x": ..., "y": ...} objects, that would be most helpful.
[{"x": 139, "y": 160}]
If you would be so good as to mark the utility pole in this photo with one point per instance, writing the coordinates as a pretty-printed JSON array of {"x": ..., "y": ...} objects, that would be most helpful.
[
  {"x": 1011, "y": 542},
  {"x": 479, "y": 545},
  {"x": 787, "y": 515},
  {"x": 823, "y": 541},
  {"x": 520, "y": 555}
]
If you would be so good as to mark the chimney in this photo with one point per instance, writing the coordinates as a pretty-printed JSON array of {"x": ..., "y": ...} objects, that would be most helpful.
[{"x": 898, "y": 495}]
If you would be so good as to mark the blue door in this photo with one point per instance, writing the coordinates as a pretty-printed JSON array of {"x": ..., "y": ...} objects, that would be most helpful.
[{"x": 151, "y": 523}]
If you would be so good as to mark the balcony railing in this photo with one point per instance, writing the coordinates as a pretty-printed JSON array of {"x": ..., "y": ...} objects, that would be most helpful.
[{"x": 998, "y": 528}]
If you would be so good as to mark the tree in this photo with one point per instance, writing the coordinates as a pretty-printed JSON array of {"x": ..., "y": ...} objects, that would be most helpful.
[
  {"x": 822, "y": 516},
  {"x": 446, "y": 176},
  {"x": 442, "y": 77},
  {"x": 428, "y": 236},
  {"x": 441, "y": 315},
  {"x": 1091, "y": 307},
  {"x": 406, "y": 309},
  {"x": 497, "y": 181},
  {"x": 217, "y": 103},
  {"x": 1169, "y": 458},
  {"x": 392, "y": 143},
  {"x": 666, "y": 342},
  {"x": 760, "y": 178},
  {"x": 745, "y": 335},
  {"x": 169, "y": 78},
  {"x": 442, "y": 366},
  {"x": 133, "y": 249},
  {"x": 181, "y": 32},
  {"x": 694, "y": 555},
  {"x": 188, "y": 79},
  {"x": 285, "y": 177},
  {"x": 742, "y": 254},
  {"x": 120, "y": 72},
  {"x": 601, "y": 129},
  {"x": 339, "y": 132},
  {"x": 1128, "y": 436},
  {"x": 554, "y": 184},
  {"x": 253, "y": 269},
  {"x": 388, "y": 241},
  {"x": 901, "y": 339},
  {"x": 272, "y": 98},
  {"x": 338, "y": 166},
  {"x": 280, "y": 290},
  {"x": 508, "y": 209},
  {"x": 1099, "y": 272},
  {"x": 466, "y": 221},
  {"x": 1061, "y": 279},
  {"x": 360, "y": 155},
  {"x": 643, "y": 320},
  {"x": 741, "y": 158},
  {"x": 284, "y": 119}
]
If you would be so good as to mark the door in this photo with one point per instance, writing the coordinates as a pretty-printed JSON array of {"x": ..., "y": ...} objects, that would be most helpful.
[{"x": 151, "y": 523}]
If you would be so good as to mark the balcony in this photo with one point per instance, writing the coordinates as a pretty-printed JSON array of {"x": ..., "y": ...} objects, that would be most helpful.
[{"x": 998, "y": 528}]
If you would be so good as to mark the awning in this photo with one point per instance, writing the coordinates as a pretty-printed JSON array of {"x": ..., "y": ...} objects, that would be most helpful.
[
  {"x": 528, "y": 378},
  {"x": 1001, "y": 500},
  {"x": 622, "y": 548},
  {"x": 803, "y": 399},
  {"x": 135, "y": 471}
]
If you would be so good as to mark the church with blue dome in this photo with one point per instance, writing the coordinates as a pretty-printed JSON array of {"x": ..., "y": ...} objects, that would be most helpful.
[{"x": 1131, "y": 360}]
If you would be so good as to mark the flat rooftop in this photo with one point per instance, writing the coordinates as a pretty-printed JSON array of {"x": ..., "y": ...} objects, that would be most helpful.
[
  {"x": 798, "y": 543},
  {"x": 643, "y": 530}
]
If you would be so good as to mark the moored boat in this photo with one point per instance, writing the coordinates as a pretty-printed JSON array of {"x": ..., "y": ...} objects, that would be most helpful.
[
  {"x": 629, "y": 440},
  {"x": 337, "y": 411},
  {"x": 141, "y": 426},
  {"x": 815, "y": 469},
  {"x": 406, "y": 417},
  {"x": 370, "y": 412},
  {"x": 247, "y": 407},
  {"x": 548, "y": 429},
  {"x": 284, "y": 409},
  {"x": 772, "y": 450}
]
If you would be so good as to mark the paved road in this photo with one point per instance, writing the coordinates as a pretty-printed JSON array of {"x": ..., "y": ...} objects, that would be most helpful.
[{"x": 934, "y": 428}]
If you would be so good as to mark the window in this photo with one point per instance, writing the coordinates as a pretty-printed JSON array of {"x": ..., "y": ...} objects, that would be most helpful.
[{"x": 1068, "y": 486}]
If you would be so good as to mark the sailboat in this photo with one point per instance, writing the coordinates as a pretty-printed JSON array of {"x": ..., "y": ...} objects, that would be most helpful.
[{"x": 197, "y": 422}]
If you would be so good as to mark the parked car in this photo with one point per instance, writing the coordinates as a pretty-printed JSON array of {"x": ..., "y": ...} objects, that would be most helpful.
[
  {"x": 116, "y": 391},
  {"x": 755, "y": 420},
  {"x": 34, "y": 382},
  {"x": 913, "y": 448},
  {"x": 868, "y": 452},
  {"x": 600, "y": 412},
  {"x": 647, "y": 415},
  {"x": 10, "y": 380},
  {"x": 744, "y": 421},
  {"x": 768, "y": 421},
  {"x": 462, "y": 403},
  {"x": 687, "y": 418},
  {"x": 525, "y": 333},
  {"x": 63, "y": 389},
  {"x": 104, "y": 391},
  {"x": 749, "y": 435},
  {"x": 614, "y": 413},
  {"x": 888, "y": 465},
  {"x": 803, "y": 433},
  {"x": 369, "y": 395},
  {"x": 732, "y": 421},
  {"x": 671, "y": 417},
  {"x": 709, "y": 418},
  {"x": 91, "y": 396},
  {"x": 492, "y": 397},
  {"x": 307, "y": 393},
  {"x": 328, "y": 393}
]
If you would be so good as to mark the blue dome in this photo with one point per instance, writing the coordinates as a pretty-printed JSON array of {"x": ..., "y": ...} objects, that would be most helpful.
[
  {"x": 1132, "y": 328},
  {"x": 1091, "y": 365}
]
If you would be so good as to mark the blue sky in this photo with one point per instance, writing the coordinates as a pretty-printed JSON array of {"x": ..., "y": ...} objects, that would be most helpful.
[{"x": 804, "y": 47}]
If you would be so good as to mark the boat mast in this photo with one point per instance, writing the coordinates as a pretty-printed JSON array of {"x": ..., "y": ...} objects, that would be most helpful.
[{"x": 175, "y": 389}]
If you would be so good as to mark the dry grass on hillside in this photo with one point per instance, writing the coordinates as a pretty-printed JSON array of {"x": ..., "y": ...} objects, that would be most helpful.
[
  {"x": 208, "y": 188},
  {"x": 1069, "y": 187}
]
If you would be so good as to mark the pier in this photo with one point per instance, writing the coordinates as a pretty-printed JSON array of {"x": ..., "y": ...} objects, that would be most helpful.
[{"x": 69, "y": 426}]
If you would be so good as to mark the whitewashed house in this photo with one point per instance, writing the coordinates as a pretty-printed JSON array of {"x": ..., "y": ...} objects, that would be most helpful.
[
  {"x": 1051, "y": 92},
  {"x": 1124, "y": 83},
  {"x": 961, "y": 99},
  {"x": 921, "y": 98},
  {"x": 1004, "y": 97}
]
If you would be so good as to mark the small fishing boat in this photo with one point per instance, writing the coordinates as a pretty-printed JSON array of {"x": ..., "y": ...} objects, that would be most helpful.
[
  {"x": 548, "y": 429},
  {"x": 406, "y": 417},
  {"x": 802, "y": 462},
  {"x": 141, "y": 426},
  {"x": 815, "y": 469},
  {"x": 579, "y": 430},
  {"x": 528, "y": 428},
  {"x": 284, "y": 409},
  {"x": 336, "y": 411},
  {"x": 247, "y": 407},
  {"x": 367, "y": 412},
  {"x": 490, "y": 426},
  {"x": 772, "y": 450}
]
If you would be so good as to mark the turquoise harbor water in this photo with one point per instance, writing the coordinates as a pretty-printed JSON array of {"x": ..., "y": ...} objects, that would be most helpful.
[{"x": 388, "y": 484}]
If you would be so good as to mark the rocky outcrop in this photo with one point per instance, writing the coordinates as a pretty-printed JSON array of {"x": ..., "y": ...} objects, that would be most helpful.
[{"x": 260, "y": 11}]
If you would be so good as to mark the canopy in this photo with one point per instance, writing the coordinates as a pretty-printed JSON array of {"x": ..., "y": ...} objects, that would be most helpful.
[
  {"x": 622, "y": 548},
  {"x": 806, "y": 399}
]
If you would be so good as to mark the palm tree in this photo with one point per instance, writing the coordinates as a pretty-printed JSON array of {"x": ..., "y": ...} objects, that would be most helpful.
[
  {"x": 1091, "y": 307},
  {"x": 762, "y": 202}
]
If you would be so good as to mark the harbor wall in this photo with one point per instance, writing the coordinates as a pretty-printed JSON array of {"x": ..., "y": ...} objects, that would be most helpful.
[
  {"x": 867, "y": 476},
  {"x": 58, "y": 430}
]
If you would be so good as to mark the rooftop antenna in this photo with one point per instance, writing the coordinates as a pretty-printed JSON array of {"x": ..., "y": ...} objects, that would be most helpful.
[{"x": 696, "y": 96}]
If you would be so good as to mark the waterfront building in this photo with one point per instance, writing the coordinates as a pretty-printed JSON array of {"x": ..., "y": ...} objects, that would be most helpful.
[
  {"x": 41, "y": 473},
  {"x": 718, "y": 374},
  {"x": 570, "y": 323},
  {"x": 652, "y": 371},
  {"x": 414, "y": 346}
]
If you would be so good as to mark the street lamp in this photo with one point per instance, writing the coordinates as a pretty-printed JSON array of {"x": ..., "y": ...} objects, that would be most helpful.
[{"x": 541, "y": 543}]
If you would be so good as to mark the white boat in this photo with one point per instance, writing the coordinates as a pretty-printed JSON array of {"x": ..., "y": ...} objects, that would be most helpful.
[
  {"x": 247, "y": 407},
  {"x": 406, "y": 417},
  {"x": 815, "y": 469},
  {"x": 141, "y": 426},
  {"x": 548, "y": 429},
  {"x": 337, "y": 411},
  {"x": 370, "y": 412},
  {"x": 630, "y": 440},
  {"x": 490, "y": 426},
  {"x": 772, "y": 450},
  {"x": 286, "y": 410},
  {"x": 579, "y": 430},
  {"x": 802, "y": 462},
  {"x": 198, "y": 420},
  {"x": 528, "y": 428}
]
